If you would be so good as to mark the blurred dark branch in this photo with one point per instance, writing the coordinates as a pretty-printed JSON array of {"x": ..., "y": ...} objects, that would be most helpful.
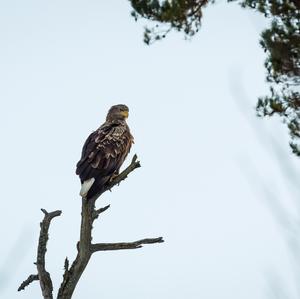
[
  {"x": 16, "y": 254},
  {"x": 288, "y": 222},
  {"x": 266, "y": 139}
]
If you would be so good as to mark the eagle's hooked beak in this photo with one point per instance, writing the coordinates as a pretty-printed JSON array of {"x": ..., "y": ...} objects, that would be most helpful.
[{"x": 124, "y": 113}]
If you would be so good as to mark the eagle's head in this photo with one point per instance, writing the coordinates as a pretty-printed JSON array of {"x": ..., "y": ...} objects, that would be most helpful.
[{"x": 117, "y": 112}]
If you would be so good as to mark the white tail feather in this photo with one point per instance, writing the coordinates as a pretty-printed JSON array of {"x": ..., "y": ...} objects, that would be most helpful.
[{"x": 86, "y": 186}]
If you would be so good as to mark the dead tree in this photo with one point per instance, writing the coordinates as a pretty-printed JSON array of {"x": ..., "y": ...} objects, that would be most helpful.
[{"x": 85, "y": 247}]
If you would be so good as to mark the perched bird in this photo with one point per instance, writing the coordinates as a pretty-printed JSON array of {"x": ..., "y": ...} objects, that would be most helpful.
[{"x": 104, "y": 152}]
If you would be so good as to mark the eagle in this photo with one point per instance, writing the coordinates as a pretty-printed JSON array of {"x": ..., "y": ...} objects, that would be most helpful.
[{"x": 104, "y": 152}]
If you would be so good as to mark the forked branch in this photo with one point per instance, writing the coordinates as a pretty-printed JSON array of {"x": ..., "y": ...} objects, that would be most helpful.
[{"x": 43, "y": 276}]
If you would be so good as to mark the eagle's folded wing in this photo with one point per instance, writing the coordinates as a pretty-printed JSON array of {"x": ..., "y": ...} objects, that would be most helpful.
[{"x": 103, "y": 153}]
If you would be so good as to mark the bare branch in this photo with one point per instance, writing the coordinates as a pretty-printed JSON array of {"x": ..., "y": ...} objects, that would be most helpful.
[
  {"x": 123, "y": 175},
  {"x": 43, "y": 275},
  {"x": 120, "y": 246},
  {"x": 72, "y": 276},
  {"x": 28, "y": 281},
  {"x": 99, "y": 211}
]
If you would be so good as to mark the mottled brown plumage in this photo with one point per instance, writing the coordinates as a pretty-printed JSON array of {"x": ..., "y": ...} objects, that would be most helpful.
[{"x": 105, "y": 150}]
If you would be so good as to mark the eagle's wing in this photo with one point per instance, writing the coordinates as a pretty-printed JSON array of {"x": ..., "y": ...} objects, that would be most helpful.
[{"x": 103, "y": 153}]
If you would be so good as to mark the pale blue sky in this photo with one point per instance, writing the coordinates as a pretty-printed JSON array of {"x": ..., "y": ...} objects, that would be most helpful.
[{"x": 63, "y": 64}]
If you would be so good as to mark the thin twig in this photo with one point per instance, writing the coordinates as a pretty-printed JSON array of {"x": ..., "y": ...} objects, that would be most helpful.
[
  {"x": 66, "y": 266},
  {"x": 99, "y": 211}
]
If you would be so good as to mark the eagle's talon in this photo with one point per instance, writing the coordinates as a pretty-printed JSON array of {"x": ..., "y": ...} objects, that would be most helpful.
[{"x": 112, "y": 178}]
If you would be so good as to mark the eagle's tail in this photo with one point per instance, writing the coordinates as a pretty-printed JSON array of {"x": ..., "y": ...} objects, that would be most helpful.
[
  {"x": 86, "y": 186},
  {"x": 93, "y": 186}
]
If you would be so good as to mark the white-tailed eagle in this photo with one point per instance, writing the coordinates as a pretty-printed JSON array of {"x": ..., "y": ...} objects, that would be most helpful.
[{"x": 104, "y": 152}]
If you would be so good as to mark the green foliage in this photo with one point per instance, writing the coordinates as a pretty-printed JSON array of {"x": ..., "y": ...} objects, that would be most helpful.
[
  {"x": 281, "y": 42},
  {"x": 181, "y": 15},
  {"x": 286, "y": 104}
]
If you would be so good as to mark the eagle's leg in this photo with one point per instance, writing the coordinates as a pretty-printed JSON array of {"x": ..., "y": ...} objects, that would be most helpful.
[{"x": 86, "y": 186}]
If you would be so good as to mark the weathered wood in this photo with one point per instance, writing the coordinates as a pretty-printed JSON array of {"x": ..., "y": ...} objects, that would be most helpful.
[
  {"x": 84, "y": 253},
  {"x": 124, "y": 245},
  {"x": 44, "y": 276}
]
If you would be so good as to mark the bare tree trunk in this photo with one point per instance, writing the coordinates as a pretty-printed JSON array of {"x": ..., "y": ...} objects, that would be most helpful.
[{"x": 72, "y": 276}]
